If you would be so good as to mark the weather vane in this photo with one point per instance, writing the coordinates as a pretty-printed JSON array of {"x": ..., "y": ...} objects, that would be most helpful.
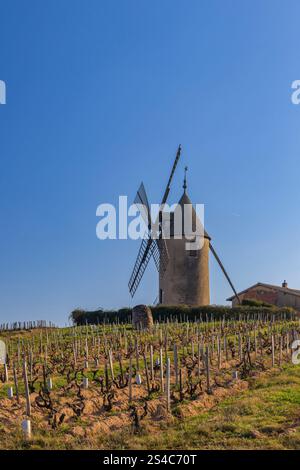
[{"x": 184, "y": 182}]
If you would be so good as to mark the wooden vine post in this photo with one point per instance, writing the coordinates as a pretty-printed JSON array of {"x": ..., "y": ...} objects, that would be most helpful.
[
  {"x": 16, "y": 383},
  {"x": 130, "y": 379},
  {"x": 27, "y": 394},
  {"x": 176, "y": 363},
  {"x": 151, "y": 363},
  {"x": 161, "y": 370},
  {"x": 168, "y": 385},
  {"x": 208, "y": 389},
  {"x": 273, "y": 351}
]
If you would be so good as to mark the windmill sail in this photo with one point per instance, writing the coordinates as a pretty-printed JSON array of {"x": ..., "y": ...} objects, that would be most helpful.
[
  {"x": 224, "y": 271},
  {"x": 149, "y": 246},
  {"x": 141, "y": 201},
  {"x": 167, "y": 190},
  {"x": 142, "y": 260}
]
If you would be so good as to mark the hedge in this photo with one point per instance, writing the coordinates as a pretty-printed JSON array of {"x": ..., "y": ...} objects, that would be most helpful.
[{"x": 181, "y": 313}]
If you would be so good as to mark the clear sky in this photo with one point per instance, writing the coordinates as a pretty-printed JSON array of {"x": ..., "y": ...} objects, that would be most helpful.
[{"x": 99, "y": 95}]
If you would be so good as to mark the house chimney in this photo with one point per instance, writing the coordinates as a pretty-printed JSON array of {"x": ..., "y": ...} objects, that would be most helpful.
[{"x": 284, "y": 284}]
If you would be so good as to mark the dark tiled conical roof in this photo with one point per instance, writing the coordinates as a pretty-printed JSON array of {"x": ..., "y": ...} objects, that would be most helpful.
[{"x": 185, "y": 200}]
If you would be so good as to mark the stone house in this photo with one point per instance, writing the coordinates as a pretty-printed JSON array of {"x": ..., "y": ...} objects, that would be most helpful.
[{"x": 281, "y": 296}]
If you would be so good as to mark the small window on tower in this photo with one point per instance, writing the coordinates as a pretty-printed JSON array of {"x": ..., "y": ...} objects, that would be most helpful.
[{"x": 193, "y": 253}]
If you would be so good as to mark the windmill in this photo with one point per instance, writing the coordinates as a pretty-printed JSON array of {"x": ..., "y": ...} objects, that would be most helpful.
[{"x": 183, "y": 275}]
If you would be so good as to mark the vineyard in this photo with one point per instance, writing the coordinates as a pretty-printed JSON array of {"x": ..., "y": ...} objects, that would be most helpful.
[{"x": 76, "y": 387}]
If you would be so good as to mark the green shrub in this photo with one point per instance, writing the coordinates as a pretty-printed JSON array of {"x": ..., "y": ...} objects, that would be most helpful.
[{"x": 256, "y": 303}]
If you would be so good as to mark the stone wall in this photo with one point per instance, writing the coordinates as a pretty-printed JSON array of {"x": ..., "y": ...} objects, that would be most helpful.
[{"x": 186, "y": 279}]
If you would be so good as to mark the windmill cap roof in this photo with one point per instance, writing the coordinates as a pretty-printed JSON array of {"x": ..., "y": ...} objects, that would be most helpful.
[{"x": 185, "y": 200}]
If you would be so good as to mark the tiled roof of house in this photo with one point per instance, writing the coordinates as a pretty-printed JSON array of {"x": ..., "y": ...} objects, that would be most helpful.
[{"x": 286, "y": 290}]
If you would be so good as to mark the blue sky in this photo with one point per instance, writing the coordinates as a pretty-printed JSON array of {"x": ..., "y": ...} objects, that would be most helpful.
[{"x": 99, "y": 95}]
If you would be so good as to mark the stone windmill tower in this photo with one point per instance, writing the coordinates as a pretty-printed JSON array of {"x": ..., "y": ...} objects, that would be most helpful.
[
  {"x": 186, "y": 277},
  {"x": 183, "y": 273}
]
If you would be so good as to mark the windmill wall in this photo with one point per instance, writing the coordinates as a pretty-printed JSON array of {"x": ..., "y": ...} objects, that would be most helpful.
[{"x": 186, "y": 279}]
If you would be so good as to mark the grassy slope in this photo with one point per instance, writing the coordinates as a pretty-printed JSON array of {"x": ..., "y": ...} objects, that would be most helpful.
[{"x": 266, "y": 416}]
